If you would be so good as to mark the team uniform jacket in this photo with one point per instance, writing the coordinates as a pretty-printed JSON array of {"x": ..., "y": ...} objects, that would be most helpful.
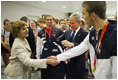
[
  {"x": 51, "y": 46},
  {"x": 106, "y": 64}
]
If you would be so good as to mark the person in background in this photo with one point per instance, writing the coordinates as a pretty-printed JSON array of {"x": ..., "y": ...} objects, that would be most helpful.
[
  {"x": 67, "y": 22},
  {"x": 43, "y": 16},
  {"x": 11, "y": 39},
  {"x": 55, "y": 22},
  {"x": 20, "y": 59},
  {"x": 5, "y": 46},
  {"x": 40, "y": 24},
  {"x": 101, "y": 41},
  {"x": 75, "y": 67},
  {"x": 33, "y": 26},
  {"x": 82, "y": 25},
  {"x": 47, "y": 45},
  {"x": 63, "y": 25},
  {"x": 31, "y": 37}
]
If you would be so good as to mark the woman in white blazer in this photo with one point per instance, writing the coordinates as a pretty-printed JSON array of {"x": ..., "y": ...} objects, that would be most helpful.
[{"x": 20, "y": 60}]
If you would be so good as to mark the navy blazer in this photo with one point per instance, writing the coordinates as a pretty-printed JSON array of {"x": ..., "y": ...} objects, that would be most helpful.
[{"x": 77, "y": 64}]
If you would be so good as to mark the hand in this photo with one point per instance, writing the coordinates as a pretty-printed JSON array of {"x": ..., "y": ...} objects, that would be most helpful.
[
  {"x": 64, "y": 43},
  {"x": 52, "y": 57},
  {"x": 9, "y": 49},
  {"x": 42, "y": 40},
  {"x": 67, "y": 43},
  {"x": 52, "y": 62}
]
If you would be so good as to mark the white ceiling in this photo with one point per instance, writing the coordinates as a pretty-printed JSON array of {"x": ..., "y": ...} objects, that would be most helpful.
[{"x": 71, "y": 6}]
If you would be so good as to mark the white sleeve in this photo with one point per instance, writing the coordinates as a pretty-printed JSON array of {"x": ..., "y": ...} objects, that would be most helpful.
[
  {"x": 114, "y": 67},
  {"x": 39, "y": 47},
  {"x": 76, "y": 51}
]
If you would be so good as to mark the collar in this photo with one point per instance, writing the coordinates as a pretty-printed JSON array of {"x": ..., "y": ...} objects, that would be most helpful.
[{"x": 76, "y": 30}]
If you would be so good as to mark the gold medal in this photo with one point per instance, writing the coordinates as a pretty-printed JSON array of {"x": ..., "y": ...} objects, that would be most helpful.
[{"x": 93, "y": 69}]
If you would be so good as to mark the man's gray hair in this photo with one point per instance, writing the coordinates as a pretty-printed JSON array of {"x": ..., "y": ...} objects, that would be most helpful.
[{"x": 76, "y": 16}]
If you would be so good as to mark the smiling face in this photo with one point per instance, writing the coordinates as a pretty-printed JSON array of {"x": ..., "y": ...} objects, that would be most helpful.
[
  {"x": 88, "y": 18},
  {"x": 7, "y": 26},
  {"x": 73, "y": 24},
  {"x": 62, "y": 23},
  {"x": 49, "y": 21},
  {"x": 23, "y": 33},
  {"x": 33, "y": 25}
]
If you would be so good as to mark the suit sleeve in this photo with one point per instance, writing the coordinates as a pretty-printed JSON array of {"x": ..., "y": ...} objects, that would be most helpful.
[
  {"x": 24, "y": 57},
  {"x": 61, "y": 37},
  {"x": 83, "y": 36},
  {"x": 76, "y": 51}
]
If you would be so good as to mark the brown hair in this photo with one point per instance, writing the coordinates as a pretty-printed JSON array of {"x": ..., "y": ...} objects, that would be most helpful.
[
  {"x": 24, "y": 18},
  {"x": 55, "y": 20},
  {"x": 47, "y": 15},
  {"x": 16, "y": 27},
  {"x": 6, "y": 20},
  {"x": 40, "y": 20},
  {"x": 98, "y": 7},
  {"x": 61, "y": 20},
  {"x": 82, "y": 22}
]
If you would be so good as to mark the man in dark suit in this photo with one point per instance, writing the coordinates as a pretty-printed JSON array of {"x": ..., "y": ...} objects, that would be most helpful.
[{"x": 75, "y": 67}]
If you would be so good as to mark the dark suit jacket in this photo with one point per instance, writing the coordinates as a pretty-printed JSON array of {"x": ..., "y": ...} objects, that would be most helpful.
[{"x": 76, "y": 66}]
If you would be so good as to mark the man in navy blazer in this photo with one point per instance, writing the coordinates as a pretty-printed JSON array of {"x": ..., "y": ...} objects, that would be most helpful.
[{"x": 75, "y": 68}]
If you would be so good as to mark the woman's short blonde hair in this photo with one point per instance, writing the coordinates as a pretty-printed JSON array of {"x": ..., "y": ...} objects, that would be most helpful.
[{"x": 16, "y": 27}]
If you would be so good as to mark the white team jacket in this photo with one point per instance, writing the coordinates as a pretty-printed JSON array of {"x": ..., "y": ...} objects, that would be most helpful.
[{"x": 105, "y": 68}]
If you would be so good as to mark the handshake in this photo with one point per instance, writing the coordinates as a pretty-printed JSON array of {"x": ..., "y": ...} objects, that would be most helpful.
[{"x": 52, "y": 60}]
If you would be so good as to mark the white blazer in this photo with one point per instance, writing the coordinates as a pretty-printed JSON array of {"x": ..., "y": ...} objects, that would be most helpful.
[{"x": 20, "y": 59}]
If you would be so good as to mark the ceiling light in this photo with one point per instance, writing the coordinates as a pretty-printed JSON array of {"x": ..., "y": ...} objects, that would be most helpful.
[
  {"x": 64, "y": 7},
  {"x": 43, "y": 1}
]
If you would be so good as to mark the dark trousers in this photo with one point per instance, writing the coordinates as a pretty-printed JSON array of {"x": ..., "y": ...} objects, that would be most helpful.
[
  {"x": 51, "y": 72},
  {"x": 70, "y": 74}
]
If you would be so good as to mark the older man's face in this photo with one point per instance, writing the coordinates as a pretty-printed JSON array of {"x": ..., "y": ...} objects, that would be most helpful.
[{"x": 73, "y": 24}]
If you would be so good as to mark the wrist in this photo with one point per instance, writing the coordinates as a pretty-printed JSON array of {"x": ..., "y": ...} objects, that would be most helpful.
[
  {"x": 47, "y": 61},
  {"x": 72, "y": 44}
]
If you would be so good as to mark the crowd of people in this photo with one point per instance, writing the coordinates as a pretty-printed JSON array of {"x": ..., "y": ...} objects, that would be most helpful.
[{"x": 62, "y": 49}]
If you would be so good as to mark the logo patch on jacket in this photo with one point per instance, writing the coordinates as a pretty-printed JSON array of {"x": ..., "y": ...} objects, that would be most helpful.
[
  {"x": 43, "y": 35},
  {"x": 54, "y": 50},
  {"x": 92, "y": 38},
  {"x": 45, "y": 48}
]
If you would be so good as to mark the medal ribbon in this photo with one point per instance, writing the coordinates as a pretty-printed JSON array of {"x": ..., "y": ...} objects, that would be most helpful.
[
  {"x": 101, "y": 36},
  {"x": 50, "y": 33}
]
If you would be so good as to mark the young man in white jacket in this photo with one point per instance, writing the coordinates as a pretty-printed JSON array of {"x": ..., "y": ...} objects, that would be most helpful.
[{"x": 102, "y": 41}]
